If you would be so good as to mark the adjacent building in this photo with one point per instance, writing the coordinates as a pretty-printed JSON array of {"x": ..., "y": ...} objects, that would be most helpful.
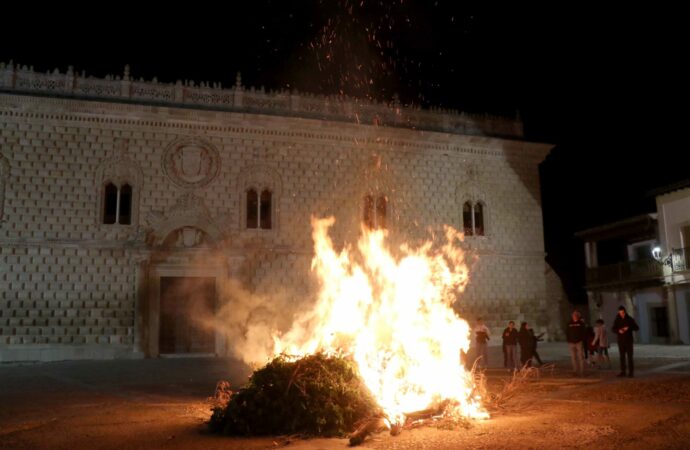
[{"x": 642, "y": 263}]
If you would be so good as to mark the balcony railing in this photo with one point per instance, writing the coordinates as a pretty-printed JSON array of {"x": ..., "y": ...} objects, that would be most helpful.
[
  {"x": 680, "y": 259},
  {"x": 624, "y": 272}
]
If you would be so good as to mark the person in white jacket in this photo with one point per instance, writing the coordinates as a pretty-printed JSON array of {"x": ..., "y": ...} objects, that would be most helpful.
[{"x": 601, "y": 341}]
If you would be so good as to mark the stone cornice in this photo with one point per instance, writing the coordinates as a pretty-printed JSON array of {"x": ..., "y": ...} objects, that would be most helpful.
[{"x": 241, "y": 99}]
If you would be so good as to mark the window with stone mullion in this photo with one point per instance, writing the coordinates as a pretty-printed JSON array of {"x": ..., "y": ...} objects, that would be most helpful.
[{"x": 117, "y": 204}]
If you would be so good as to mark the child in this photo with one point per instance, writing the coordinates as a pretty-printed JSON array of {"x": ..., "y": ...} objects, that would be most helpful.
[{"x": 601, "y": 343}]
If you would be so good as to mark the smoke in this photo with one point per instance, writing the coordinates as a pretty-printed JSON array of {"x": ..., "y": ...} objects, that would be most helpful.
[
  {"x": 248, "y": 321},
  {"x": 215, "y": 313}
]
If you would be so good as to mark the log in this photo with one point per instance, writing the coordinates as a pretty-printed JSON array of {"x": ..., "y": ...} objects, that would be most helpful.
[
  {"x": 397, "y": 428},
  {"x": 370, "y": 426},
  {"x": 427, "y": 413},
  {"x": 376, "y": 424}
]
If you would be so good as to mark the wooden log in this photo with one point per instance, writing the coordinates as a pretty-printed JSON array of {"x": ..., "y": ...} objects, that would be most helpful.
[
  {"x": 397, "y": 428},
  {"x": 376, "y": 424},
  {"x": 427, "y": 413},
  {"x": 372, "y": 425}
]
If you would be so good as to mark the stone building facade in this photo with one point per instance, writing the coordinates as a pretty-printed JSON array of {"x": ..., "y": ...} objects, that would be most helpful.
[{"x": 114, "y": 193}]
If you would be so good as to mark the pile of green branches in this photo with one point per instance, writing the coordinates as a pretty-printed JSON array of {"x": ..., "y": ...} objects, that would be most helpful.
[{"x": 315, "y": 395}]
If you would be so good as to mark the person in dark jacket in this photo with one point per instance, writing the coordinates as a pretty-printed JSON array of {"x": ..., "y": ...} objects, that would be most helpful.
[
  {"x": 510, "y": 341},
  {"x": 623, "y": 326},
  {"x": 590, "y": 349},
  {"x": 537, "y": 339},
  {"x": 576, "y": 333},
  {"x": 528, "y": 343}
]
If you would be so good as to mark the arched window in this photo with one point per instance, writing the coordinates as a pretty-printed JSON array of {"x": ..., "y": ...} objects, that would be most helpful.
[
  {"x": 125, "y": 213},
  {"x": 369, "y": 211},
  {"x": 117, "y": 204},
  {"x": 259, "y": 209},
  {"x": 252, "y": 209},
  {"x": 473, "y": 218},
  {"x": 260, "y": 194},
  {"x": 110, "y": 204},
  {"x": 375, "y": 212},
  {"x": 467, "y": 219},
  {"x": 381, "y": 206},
  {"x": 118, "y": 181},
  {"x": 479, "y": 219},
  {"x": 265, "y": 209},
  {"x": 4, "y": 175}
]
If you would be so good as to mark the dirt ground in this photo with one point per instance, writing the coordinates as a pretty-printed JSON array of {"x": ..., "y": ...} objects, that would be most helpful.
[{"x": 164, "y": 404}]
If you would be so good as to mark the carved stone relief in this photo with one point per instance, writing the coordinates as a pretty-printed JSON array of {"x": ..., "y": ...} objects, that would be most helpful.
[
  {"x": 191, "y": 163},
  {"x": 191, "y": 217}
]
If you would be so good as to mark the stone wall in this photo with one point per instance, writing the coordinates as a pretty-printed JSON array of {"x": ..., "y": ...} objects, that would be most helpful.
[{"x": 73, "y": 287}]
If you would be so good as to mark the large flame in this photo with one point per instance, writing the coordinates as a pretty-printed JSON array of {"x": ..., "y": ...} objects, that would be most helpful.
[{"x": 395, "y": 317}]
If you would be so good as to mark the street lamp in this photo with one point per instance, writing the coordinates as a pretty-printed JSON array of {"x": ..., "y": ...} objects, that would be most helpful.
[{"x": 656, "y": 254}]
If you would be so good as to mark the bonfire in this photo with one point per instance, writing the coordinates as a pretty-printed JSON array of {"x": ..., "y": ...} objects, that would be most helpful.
[{"x": 390, "y": 315}]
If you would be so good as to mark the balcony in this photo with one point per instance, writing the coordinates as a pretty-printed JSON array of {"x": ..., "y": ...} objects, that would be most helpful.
[
  {"x": 680, "y": 259},
  {"x": 630, "y": 272}
]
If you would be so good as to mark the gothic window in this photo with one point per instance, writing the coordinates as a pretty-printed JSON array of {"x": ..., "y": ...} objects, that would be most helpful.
[
  {"x": 110, "y": 204},
  {"x": 117, "y": 204},
  {"x": 375, "y": 212},
  {"x": 125, "y": 213},
  {"x": 381, "y": 205},
  {"x": 479, "y": 219},
  {"x": 265, "y": 210},
  {"x": 467, "y": 219},
  {"x": 118, "y": 182},
  {"x": 260, "y": 194},
  {"x": 473, "y": 218},
  {"x": 259, "y": 209},
  {"x": 252, "y": 209},
  {"x": 368, "y": 211},
  {"x": 4, "y": 175}
]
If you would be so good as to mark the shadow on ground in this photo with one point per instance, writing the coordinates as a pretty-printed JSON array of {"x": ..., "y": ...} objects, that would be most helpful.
[{"x": 163, "y": 403}]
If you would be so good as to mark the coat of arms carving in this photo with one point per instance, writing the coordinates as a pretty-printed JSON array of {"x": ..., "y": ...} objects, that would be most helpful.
[{"x": 191, "y": 163}]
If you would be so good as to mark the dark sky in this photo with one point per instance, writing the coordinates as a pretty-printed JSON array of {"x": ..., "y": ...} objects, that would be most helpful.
[{"x": 606, "y": 86}]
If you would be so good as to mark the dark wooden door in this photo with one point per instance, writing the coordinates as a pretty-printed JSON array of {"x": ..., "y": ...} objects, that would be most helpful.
[{"x": 187, "y": 307}]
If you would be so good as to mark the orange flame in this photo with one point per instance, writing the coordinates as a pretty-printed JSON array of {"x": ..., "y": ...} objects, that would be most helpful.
[{"x": 395, "y": 317}]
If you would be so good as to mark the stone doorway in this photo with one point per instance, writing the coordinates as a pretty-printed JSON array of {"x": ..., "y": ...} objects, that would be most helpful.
[{"x": 186, "y": 306}]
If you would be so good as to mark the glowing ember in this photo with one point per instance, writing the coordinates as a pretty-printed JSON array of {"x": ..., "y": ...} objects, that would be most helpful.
[{"x": 394, "y": 316}]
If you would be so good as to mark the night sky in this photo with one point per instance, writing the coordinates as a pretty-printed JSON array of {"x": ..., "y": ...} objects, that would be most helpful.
[{"x": 604, "y": 86}]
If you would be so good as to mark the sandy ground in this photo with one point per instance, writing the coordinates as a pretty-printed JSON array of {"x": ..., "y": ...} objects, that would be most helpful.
[{"x": 164, "y": 404}]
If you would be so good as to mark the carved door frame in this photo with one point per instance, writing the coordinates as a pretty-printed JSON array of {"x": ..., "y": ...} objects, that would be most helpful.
[{"x": 158, "y": 270}]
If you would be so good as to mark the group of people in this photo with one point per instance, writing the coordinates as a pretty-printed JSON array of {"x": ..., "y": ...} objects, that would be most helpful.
[
  {"x": 586, "y": 343},
  {"x": 512, "y": 338}
]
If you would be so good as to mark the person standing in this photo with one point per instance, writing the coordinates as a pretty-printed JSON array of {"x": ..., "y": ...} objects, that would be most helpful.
[
  {"x": 527, "y": 344},
  {"x": 481, "y": 339},
  {"x": 510, "y": 340},
  {"x": 537, "y": 339},
  {"x": 623, "y": 326},
  {"x": 576, "y": 333},
  {"x": 601, "y": 342},
  {"x": 588, "y": 345}
]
